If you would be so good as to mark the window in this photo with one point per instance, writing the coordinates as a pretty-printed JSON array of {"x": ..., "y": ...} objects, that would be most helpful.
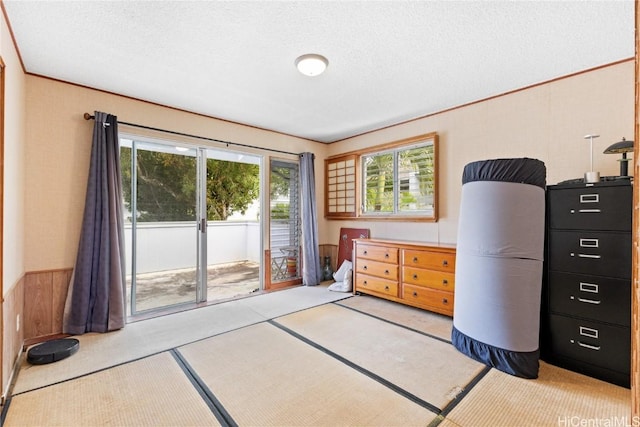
[
  {"x": 400, "y": 181},
  {"x": 340, "y": 191},
  {"x": 285, "y": 232},
  {"x": 396, "y": 181}
]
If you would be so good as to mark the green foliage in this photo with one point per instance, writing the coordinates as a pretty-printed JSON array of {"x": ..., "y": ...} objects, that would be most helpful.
[
  {"x": 166, "y": 186},
  {"x": 280, "y": 211},
  {"x": 415, "y": 165},
  {"x": 231, "y": 187},
  {"x": 379, "y": 183},
  {"x": 281, "y": 177}
]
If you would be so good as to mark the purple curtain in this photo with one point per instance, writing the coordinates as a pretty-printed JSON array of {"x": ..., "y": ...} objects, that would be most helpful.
[
  {"x": 311, "y": 269},
  {"x": 95, "y": 301}
]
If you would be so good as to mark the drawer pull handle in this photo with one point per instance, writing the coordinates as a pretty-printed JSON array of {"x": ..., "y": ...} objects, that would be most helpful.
[
  {"x": 588, "y": 332},
  {"x": 415, "y": 277},
  {"x": 588, "y": 287},
  {"x": 365, "y": 252},
  {"x": 589, "y": 301},
  {"x": 590, "y": 347},
  {"x": 386, "y": 272},
  {"x": 364, "y": 267},
  {"x": 445, "y": 263},
  {"x": 415, "y": 294},
  {"x": 386, "y": 256},
  {"x": 445, "y": 282},
  {"x": 589, "y": 198},
  {"x": 445, "y": 301},
  {"x": 589, "y": 256},
  {"x": 415, "y": 259},
  {"x": 588, "y": 243},
  {"x": 365, "y": 282},
  {"x": 386, "y": 288},
  {"x": 589, "y": 211}
]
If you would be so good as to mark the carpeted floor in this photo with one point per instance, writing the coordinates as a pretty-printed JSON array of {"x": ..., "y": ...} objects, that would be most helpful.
[{"x": 304, "y": 356}]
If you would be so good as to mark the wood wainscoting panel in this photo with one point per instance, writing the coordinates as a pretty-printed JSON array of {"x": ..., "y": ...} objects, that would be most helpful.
[
  {"x": 38, "y": 304},
  {"x": 60, "y": 285},
  {"x": 45, "y": 293},
  {"x": 13, "y": 333},
  {"x": 331, "y": 251}
]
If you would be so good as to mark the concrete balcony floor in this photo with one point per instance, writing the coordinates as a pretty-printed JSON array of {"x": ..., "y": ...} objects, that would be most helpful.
[{"x": 163, "y": 289}]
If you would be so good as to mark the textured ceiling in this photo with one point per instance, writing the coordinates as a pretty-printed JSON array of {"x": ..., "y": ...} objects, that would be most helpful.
[{"x": 389, "y": 61}]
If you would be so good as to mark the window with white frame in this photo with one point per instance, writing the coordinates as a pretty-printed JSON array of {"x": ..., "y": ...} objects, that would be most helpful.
[{"x": 399, "y": 181}]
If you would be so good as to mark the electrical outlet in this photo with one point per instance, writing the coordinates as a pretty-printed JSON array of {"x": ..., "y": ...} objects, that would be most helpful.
[{"x": 18, "y": 323}]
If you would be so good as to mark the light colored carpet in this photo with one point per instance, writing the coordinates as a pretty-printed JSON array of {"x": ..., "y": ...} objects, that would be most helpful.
[
  {"x": 265, "y": 377},
  {"x": 430, "y": 323},
  {"x": 144, "y": 338},
  {"x": 133, "y": 394},
  {"x": 428, "y": 368},
  {"x": 557, "y": 398}
]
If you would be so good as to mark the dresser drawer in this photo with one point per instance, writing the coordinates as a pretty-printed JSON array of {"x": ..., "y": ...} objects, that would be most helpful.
[
  {"x": 377, "y": 253},
  {"x": 425, "y": 297},
  {"x": 376, "y": 268},
  {"x": 429, "y": 278},
  {"x": 598, "y": 298},
  {"x": 591, "y": 208},
  {"x": 365, "y": 283},
  {"x": 591, "y": 342},
  {"x": 591, "y": 252},
  {"x": 431, "y": 260}
]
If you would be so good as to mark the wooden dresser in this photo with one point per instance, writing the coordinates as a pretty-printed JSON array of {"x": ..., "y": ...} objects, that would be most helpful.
[{"x": 413, "y": 273}]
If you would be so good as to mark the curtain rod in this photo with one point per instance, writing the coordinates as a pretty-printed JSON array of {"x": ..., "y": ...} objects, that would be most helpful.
[{"x": 88, "y": 116}]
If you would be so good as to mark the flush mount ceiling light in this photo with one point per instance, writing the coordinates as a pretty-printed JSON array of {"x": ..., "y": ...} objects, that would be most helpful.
[{"x": 311, "y": 64}]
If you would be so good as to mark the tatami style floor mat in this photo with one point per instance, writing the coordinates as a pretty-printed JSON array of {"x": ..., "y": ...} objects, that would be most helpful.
[
  {"x": 429, "y": 369},
  {"x": 556, "y": 398},
  {"x": 149, "y": 392},
  {"x": 264, "y": 376},
  {"x": 144, "y": 338},
  {"x": 324, "y": 361},
  {"x": 424, "y": 321}
]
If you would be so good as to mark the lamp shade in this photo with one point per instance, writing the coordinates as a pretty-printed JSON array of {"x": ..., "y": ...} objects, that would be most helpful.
[{"x": 623, "y": 146}]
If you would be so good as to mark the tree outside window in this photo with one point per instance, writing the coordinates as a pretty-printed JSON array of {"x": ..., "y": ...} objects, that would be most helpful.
[{"x": 399, "y": 181}]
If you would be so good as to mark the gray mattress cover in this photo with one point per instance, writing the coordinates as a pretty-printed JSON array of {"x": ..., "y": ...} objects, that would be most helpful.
[
  {"x": 501, "y": 219},
  {"x": 500, "y": 251},
  {"x": 497, "y": 301}
]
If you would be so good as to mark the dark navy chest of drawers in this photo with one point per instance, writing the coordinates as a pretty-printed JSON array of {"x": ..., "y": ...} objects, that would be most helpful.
[{"x": 586, "y": 305}]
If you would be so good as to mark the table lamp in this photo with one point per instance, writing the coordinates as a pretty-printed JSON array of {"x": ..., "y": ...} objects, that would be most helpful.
[
  {"x": 591, "y": 176},
  {"x": 623, "y": 147}
]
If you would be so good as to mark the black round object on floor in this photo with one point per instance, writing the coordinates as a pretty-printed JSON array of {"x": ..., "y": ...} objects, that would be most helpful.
[{"x": 52, "y": 351}]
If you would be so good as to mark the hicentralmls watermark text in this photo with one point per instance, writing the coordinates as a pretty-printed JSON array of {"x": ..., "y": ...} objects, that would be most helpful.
[{"x": 576, "y": 421}]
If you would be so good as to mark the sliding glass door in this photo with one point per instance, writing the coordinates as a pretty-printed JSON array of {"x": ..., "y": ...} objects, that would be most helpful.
[
  {"x": 234, "y": 244},
  {"x": 192, "y": 224},
  {"x": 160, "y": 187}
]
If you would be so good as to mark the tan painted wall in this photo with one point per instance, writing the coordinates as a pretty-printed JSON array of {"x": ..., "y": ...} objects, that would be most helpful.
[
  {"x": 547, "y": 122},
  {"x": 14, "y": 189},
  {"x": 58, "y": 149},
  {"x": 13, "y": 241}
]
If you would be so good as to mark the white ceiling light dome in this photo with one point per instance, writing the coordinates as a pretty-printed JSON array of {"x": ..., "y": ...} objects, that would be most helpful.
[{"x": 311, "y": 64}]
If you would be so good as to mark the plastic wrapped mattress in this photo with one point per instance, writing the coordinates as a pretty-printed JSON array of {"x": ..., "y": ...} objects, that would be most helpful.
[{"x": 499, "y": 257}]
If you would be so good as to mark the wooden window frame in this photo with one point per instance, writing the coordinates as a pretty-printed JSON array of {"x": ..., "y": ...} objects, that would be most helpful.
[
  {"x": 356, "y": 156},
  {"x": 341, "y": 186}
]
